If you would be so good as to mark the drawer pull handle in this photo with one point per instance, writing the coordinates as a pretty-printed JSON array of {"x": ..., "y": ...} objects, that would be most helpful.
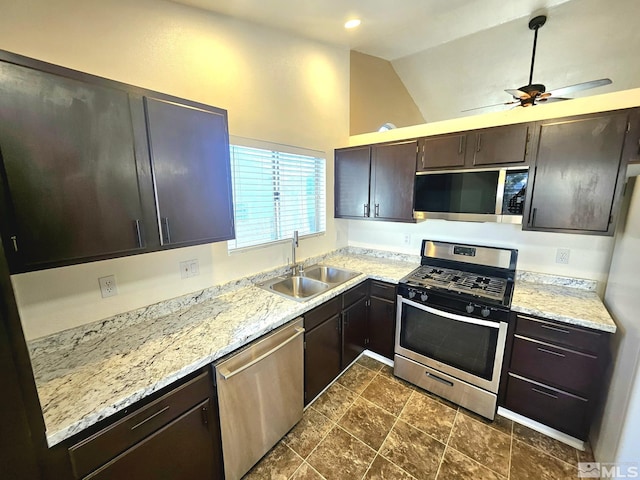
[
  {"x": 545, "y": 393},
  {"x": 544, "y": 350},
  {"x": 159, "y": 412},
  {"x": 438, "y": 379},
  {"x": 555, "y": 329}
]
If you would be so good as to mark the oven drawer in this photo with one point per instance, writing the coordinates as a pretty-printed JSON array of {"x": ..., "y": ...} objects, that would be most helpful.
[
  {"x": 561, "y": 367},
  {"x": 383, "y": 290},
  {"x": 561, "y": 334},
  {"x": 555, "y": 408}
]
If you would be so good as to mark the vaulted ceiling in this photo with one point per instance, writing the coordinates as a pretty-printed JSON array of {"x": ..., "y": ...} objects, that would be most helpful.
[{"x": 454, "y": 55}]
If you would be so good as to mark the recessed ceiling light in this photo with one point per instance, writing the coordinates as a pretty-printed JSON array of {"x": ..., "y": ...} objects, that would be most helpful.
[{"x": 352, "y": 23}]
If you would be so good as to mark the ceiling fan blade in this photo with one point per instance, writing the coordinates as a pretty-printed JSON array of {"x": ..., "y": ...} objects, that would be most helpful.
[
  {"x": 552, "y": 99},
  {"x": 517, "y": 93},
  {"x": 487, "y": 106},
  {"x": 580, "y": 86}
]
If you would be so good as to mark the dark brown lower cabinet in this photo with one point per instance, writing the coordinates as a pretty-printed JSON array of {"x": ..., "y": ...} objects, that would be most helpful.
[
  {"x": 382, "y": 318},
  {"x": 182, "y": 450},
  {"x": 354, "y": 331},
  {"x": 335, "y": 334},
  {"x": 555, "y": 373},
  {"x": 321, "y": 356},
  {"x": 176, "y": 436}
]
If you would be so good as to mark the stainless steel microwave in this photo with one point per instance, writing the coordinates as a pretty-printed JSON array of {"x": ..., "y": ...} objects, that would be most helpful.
[{"x": 493, "y": 195}]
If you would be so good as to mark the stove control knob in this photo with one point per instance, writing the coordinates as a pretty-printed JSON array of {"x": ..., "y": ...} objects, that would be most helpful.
[
  {"x": 412, "y": 293},
  {"x": 470, "y": 308},
  {"x": 424, "y": 297},
  {"x": 484, "y": 312}
]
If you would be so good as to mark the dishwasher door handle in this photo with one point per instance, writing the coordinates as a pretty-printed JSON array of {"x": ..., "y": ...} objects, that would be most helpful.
[{"x": 227, "y": 374}]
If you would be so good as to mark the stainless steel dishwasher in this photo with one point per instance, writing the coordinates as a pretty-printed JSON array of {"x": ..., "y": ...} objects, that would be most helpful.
[{"x": 261, "y": 396}]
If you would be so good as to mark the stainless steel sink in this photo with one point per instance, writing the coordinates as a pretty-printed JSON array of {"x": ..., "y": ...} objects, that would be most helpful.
[
  {"x": 299, "y": 287},
  {"x": 315, "y": 280},
  {"x": 330, "y": 274}
]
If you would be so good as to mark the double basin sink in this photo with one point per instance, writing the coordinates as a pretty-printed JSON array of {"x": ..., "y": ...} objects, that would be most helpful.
[{"x": 315, "y": 280}]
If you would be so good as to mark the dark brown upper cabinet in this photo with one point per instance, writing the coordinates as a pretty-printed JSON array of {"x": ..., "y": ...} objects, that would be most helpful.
[
  {"x": 189, "y": 150},
  {"x": 497, "y": 146},
  {"x": 71, "y": 174},
  {"x": 376, "y": 182},
  {"x": 578, "y": 173},
  {"x": 90, "y": 167},
  {"x": 442, "y": 151},
  {"x": 501, "y": 145}
]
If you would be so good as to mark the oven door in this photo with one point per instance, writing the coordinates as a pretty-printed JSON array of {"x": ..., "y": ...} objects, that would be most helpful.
[{"x": 467, "y": 348}]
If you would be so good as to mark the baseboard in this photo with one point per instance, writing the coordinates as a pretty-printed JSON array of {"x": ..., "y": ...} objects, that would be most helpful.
[
  {"x": 539, "y": 427},
  {"x": 378, "y": 357}
]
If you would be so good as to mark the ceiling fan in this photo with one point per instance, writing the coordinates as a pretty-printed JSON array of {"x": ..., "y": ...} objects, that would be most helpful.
[{"x": 535, "y": 93}]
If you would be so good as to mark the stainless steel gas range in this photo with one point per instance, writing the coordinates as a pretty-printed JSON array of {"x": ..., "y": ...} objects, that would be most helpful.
[{"x": 451, "y": 325}]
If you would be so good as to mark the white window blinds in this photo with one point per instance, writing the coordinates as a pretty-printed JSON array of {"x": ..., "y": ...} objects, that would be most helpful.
[{"x": 274, "y": 194}]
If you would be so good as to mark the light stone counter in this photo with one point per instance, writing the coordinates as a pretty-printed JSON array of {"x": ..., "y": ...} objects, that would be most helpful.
[
  {"x": 572, "y": 301},
  {"x": 89, "y": 373}
]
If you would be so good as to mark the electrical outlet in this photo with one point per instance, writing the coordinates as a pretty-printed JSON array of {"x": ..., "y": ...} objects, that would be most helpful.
[
  {"x": 189, "y": 268},
  {"x": 562, "y": 255},
  {"x": 108, "y": 287},
  {"x": 407, "y": 239}
]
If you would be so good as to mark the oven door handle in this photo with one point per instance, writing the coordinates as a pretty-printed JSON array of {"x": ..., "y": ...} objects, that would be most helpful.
[{"x": 452, "y": 316}]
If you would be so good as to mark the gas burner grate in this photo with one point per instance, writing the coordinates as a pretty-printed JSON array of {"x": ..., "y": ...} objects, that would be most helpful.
[{"x": 459, "y": 281}]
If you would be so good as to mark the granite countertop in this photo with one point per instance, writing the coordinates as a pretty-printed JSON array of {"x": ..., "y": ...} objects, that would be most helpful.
[
  {"x": 89, "y": 373},
  {"x": 572, "y": 301}
]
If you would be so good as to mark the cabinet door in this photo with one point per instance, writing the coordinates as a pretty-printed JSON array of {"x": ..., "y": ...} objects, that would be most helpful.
[
  {"x": 577, "y": 174},
  {"x": 444, "y": 151},
  {"x": 321, "y": 357},
  {"x": 392, "y": 176},
  {"x": 500, "y": 145},
  {"x": 352, "y": 168},
  {"x": 189, "y": 150},
  {"x": 71, "y": 177},
  {"x": 354, "y": 331},
  {"x": 184, "y": 449},
  {"x": 382, "y": 323}
]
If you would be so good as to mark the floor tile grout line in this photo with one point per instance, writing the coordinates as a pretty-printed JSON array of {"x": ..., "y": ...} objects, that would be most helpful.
[
  {"x": 297, "y": 455},
  {"x": 545, "y": 452},
  {"x": 389, "y": 433},
  {"x": 446, "y": 445}
]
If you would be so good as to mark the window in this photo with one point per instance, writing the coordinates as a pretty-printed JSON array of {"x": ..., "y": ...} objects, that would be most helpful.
[{"x": 274, "y": 194}]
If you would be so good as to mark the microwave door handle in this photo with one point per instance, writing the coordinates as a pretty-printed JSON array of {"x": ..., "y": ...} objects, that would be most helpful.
[
  {"x": 502, "y": 180},
  {"x": 452, "y": 316}
]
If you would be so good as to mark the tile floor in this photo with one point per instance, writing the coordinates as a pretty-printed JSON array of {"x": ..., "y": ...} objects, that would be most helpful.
[{"x": 370, "y": 425}]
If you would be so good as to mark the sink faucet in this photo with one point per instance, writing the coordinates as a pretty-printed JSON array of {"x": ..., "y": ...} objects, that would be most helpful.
[{"x": 295, "y": 268}]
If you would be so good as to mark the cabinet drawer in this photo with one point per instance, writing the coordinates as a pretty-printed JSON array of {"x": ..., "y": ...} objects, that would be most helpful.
[
  {"x": 329, "y": 309},
  {"x": 89, "y": 454},
  {"x": 383, "y": 290},
  {"x": 561, "y": 334},
  {"x": 352, "y": 296},
  {"x": 561, "y": 367},
  {"x": 555, "y": 408}
]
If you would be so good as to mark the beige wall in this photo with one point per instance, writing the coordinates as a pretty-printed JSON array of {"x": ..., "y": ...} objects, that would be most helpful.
[
  {"x": 276, "y": 88},
  {"x": 378, "y": 96}
]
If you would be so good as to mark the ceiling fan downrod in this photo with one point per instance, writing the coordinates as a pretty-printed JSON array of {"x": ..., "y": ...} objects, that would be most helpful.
[{"x": 534, "y": 24}]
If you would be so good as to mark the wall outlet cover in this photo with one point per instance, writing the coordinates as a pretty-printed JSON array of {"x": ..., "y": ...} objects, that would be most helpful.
[
  {"x": 108, "y": 287},
  {"x": 562, "y": 255}
]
